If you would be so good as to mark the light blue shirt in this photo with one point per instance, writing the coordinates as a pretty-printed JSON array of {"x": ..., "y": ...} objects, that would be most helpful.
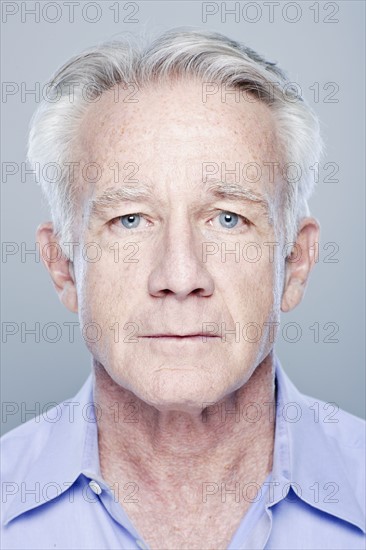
[{"x": 53, "y": 494}]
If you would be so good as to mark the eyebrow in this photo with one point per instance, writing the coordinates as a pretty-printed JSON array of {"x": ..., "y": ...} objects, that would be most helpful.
[
  {"x": 112, "y": 196},
  {"x": 235, "y": 192}
]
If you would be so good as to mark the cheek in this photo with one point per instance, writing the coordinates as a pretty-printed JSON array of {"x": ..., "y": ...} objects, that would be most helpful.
[
  {"x": 102, "y": 307},
  {"x": 245, "y": 298},
  {"x": 250, "y": 288},
  {"x": 256, "y": 308},
  {"x": 109, "y": 289},
  {"x": 97, "y": 291}
]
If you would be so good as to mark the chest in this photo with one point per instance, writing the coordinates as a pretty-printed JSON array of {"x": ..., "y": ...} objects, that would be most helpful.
[{"x": 187, "y": 527}]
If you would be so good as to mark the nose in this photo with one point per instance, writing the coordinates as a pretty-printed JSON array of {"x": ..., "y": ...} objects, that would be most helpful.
[{"x": 179, "y": 270}]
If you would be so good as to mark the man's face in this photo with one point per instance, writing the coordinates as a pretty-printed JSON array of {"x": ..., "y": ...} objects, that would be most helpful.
[{"x": 167, "y": 264}]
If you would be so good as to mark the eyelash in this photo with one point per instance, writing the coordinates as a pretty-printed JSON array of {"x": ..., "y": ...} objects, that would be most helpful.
[
  {"x": 235, "y": 229},
  {"x": 118, "y": 218},
  {"x": 245, "y": 220}
]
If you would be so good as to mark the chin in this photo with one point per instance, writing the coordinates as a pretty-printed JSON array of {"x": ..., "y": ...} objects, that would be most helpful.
[
  {"x": 182, "y": 389},
  {"x": 177, "y": 384}
]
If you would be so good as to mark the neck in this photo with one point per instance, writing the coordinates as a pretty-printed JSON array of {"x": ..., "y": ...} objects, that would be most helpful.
[{"x": 160, "y": 449}]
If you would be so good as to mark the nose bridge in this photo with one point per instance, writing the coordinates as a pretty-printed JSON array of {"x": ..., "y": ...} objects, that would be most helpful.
[
  {"x": 179, "y": 249},
  {"x": 179, "y": 238},
  {"x": 179, "y": 268}
]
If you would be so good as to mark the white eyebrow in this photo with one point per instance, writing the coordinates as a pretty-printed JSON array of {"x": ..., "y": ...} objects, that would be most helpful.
[
  {"x": 235, "y": 192},
  {"x": 112, "y": 196},
  {"x": 227, "y": 191}
]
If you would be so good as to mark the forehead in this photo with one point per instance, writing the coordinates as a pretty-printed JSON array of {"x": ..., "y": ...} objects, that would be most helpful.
[
  {"x": 171, "y": 129},
  {"x": 178, "y": 110}
]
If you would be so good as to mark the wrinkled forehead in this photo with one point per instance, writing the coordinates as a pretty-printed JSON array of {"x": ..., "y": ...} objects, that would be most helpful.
[{"x": 175, "y": 130}]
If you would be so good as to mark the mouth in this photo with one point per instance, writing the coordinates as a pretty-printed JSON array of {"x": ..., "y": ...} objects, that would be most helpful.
[{"x": 180, "y": 337}]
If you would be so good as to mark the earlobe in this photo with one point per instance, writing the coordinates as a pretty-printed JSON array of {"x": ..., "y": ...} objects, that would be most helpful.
[
  {"x": 68, "y": 297},
  {"x": 300, "y": 264},
  {"x": 60, "y": 267},
  {"x": 292, "y": 295}
]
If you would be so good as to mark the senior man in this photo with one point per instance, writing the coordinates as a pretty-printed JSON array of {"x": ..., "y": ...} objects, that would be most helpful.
[{"x": 173, "y": 213}]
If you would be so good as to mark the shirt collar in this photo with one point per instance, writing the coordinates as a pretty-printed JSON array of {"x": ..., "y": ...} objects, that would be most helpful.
[
  {"x": 308, "y": 456},
  {"x": 65, "y": 448},
  {"x": 303, "y": 454}
]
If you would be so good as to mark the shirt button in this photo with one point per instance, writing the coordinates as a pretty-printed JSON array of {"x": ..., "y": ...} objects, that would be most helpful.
[
  {"x": 95, "y": 487},
  {"x": 141, "y": 545}
]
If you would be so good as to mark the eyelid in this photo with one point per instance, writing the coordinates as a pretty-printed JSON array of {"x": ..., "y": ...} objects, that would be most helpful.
[
  {"x": 217, "y": 213},
  {"x": 117, "y": 218},
  {"x": 241, "y": 216},
  {"x": 125, "y": 215}
]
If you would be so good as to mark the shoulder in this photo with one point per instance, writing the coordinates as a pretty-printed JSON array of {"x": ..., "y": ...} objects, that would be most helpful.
[
  {"x": 23, "y": 445},
  {"x": 44, "y": 451},
  {"x": 308, "y": 417},
  {"x": 347, "y": 430},
  {"x": 345, "y": 436},
  {"x": 331, "y": 449},
  {"x": 37, "y": 440},
  {"x": 21, "y": 448},
  {"x": 323, "y": 447}
]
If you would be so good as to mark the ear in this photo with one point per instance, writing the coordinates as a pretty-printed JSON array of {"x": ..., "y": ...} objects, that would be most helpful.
[
  {"x": 58, "y": 265},
  {"x": 300, "y": 262}
]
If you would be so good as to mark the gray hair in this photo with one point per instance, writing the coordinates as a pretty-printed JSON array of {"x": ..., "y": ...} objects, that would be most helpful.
[{"x": 209, "y": 56}]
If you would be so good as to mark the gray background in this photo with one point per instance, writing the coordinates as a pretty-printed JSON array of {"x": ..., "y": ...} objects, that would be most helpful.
[{"x": 311, "y": 52}]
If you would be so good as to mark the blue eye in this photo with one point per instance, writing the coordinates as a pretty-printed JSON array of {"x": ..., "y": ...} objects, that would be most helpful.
[
  {"x": 228, "y": 219},
  {"x": 130, "y": 221}
]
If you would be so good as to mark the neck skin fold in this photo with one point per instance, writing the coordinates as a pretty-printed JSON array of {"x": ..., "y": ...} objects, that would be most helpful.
[{"x": 230, "y": 440}]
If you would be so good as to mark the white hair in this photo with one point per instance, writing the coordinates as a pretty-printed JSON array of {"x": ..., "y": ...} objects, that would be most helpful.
[{"x": 209, "y": 56}]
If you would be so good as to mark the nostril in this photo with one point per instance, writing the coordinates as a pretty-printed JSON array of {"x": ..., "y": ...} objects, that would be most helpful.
[{"x": 198, "y": 291}]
